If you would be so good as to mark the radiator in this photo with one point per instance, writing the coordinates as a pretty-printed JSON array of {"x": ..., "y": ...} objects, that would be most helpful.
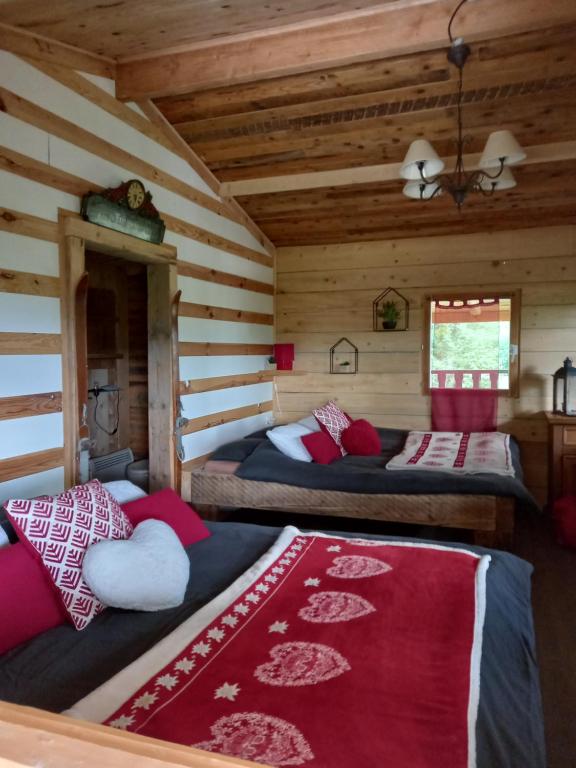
[{"x": 112, "y": 466}]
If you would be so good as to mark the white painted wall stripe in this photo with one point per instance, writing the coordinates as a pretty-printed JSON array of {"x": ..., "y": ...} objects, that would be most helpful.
[
  {"x": 31, "y": 197},
  {"x": 200, "y": 443},
  {"x": 213, "y": 294},
  {"x": 49, "y": 482},
  {"x": 24, "y": 138},
  {"x": 28, "y": 254},
  {"x": 21, "y": 313},
  {"x": 30, "y": 434},
  {"x": 205, "y": 403},
  {"x": 30, "y": 374},
  {"x": 207, "y": 256},
  {"x": 198, "y": 367},
  {"x": 222, "y": 331}
]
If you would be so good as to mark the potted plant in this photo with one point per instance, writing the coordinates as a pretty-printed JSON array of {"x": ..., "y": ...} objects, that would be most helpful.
[
  {"x": 390, "y": 314},
  {"x": 271, "y": 363}
]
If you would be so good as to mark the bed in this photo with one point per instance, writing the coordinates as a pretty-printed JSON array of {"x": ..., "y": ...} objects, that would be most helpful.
[
  {"x": 359, "y": 486},
  {"x": 61, "y": 667}
]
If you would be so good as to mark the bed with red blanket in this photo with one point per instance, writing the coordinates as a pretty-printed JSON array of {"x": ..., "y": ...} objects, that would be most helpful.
[{"x": 337, "y": 650}]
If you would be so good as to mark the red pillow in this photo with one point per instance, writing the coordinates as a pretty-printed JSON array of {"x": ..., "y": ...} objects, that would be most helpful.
[
  {"x": 321, "y": 447},
  {"x": 361, "y": 439},
  {"x": 167, "y": 506},
  {"x": 29, "y": 603},
  {"x": 333, "y": 421}
]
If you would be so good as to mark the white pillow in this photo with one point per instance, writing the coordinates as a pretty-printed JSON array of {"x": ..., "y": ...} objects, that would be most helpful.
[
  {"x": 4, "y": 540},
  {"x": 124, "y": 491},
  {"x": 287, "y": 439},
  {"x": 311, "y": 422},
  {"x": 147, "y": 572}
]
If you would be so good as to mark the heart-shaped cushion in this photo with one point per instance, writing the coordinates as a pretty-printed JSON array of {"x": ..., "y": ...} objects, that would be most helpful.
[{"x": 147, "y": 572}]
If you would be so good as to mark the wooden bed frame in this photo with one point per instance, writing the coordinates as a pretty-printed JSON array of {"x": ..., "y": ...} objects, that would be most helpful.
[{"x": 490, "y": 517}]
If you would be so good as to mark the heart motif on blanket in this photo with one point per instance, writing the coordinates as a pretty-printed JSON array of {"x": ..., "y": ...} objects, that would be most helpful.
[
  {"x": 147, "y": 572},
  {"x": 357, "y": 567},
  {"x": 333, "y": 607},
  {"x": 301, "y": 663},
  {"x": 258, "y": 737}
]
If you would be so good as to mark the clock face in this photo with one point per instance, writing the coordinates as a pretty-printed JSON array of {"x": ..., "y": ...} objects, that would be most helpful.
[{"x": 135, "y": 195}]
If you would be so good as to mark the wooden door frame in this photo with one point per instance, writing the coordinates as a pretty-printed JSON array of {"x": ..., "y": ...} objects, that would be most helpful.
[{"x": 77, "y": 236}]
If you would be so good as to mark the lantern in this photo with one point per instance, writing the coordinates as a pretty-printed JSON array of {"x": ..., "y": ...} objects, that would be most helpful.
[{"x": 565, "y": 389}]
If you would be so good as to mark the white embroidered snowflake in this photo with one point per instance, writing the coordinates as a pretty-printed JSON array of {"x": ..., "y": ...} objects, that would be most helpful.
[
  {"x": 242, "y": 609},
  {"x": 216, "y": 634},
  {"x": 312, "y": 582},
  {"x": 230, "y": 620},
  {"x": 122, "y": 722},
  {"x": 145, "y": 701},
  {"x": 278, "y": 626},
  {"x": 278, "y": 569},
  {"x": 202, "y": 648},
  {"x": 252, "y": 598},
  {"x": 227, "y": 691},
  {"x": 290, "y": 555},
  {"x": 185, "y": 665},
  {"x": 334, "y": 548},
  {"x": 167, "y": 681},
  {"x": 284, "y": 561},
  {"x": 272, "y": 579},
  {"x": 262, "y": 587}
]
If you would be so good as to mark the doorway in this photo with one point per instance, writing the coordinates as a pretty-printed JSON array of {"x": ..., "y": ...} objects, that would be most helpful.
[{"x": 120, "y": 354}]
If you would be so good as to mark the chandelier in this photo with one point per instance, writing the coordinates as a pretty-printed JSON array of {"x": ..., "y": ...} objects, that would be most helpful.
[{"x": 422, "y": 168}]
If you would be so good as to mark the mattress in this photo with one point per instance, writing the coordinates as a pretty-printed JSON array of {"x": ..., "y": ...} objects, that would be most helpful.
[
  {"x": 262, "y": 461},
  {"x": 58, "y": 668}
]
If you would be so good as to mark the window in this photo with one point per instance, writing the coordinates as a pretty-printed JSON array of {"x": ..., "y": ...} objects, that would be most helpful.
[{"x": 471, "y": 342}]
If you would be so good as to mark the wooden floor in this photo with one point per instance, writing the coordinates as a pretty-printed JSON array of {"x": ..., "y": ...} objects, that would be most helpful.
[{"x": 554, "y": 602}]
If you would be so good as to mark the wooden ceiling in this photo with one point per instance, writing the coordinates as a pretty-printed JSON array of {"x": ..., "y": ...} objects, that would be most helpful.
[
  {"x": 367, "y": 114},
  {"x": 122, "y": 28},
  {"x": 361, "y": 111}
]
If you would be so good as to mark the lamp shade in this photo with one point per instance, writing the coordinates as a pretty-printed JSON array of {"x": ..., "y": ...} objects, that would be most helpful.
[
  {"x": 420, "y": 151},
  {"x": 506, "y": 180},
  {"x": 501, "y": 145},
  {"x": 413, "y": 189}
]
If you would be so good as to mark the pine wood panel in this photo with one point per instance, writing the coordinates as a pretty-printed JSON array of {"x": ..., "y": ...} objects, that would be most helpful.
[
  {"x": 225, "y": 417},
  {"x": 30, "y": 463},
  {"x": 30, "y": 343},
  {"x": 214, "y": 383},
  {"x": 24, "y": 224},
  {"x": 187, "y": 309},
  {"x": 28, "y": 283},
  {"x": 30, "y": 405},
  {"x": 223, "y": 278}
]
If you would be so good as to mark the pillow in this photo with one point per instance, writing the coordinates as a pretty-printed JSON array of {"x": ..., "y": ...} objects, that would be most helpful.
[
  {"x": 311, "y": 423},
  {"x": 333, "y": 421},
  {"x": 287, "y": 439},
  {"x": 124, "y": 491},
  {"x": 167, "y": 506},
  {"x": 7, "y": 532},
  {"x": 361, "y": 439},
  {"x": 322, "y": 448},
  {"x": 148, "y": 572},
  {"x": 59, "y": 529},
  {"x": 29, "y": 603}
]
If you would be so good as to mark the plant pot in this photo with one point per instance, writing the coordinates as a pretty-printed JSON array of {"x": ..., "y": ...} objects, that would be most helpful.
[{"x": 389, "y": 325}]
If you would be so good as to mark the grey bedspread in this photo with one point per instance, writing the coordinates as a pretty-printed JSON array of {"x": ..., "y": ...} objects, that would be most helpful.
[
  {"x": 368, "y": 474},
  {"x": 58, "y": 668}
]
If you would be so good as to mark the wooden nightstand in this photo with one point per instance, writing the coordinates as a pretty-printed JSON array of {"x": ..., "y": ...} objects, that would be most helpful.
[{"x": 562, "y": 456}]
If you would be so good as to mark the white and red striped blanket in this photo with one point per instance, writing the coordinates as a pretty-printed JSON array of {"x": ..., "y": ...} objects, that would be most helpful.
[
  {"x": 456, "y": 452},
  {"x": 329, "y": 652}
]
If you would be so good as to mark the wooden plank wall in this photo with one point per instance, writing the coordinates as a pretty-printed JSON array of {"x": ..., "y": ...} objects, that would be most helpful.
[
  {"x": 63, "y": 133},
  {"x": 325, "y": 292}
]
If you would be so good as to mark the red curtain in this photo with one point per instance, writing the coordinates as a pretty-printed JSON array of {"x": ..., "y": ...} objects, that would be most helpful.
[{"x": 464, "y": 410}]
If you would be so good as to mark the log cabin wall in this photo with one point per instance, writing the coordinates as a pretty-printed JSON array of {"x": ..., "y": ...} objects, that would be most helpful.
[
  {"x": 325, "y": 292},
  {"x": 63, "y": 133}
]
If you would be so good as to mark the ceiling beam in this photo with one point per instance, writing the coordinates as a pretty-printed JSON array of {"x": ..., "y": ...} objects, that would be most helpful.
[
  {"x": 394, "y": 29},
  {"x": 373, "y": 174},
  {"x": 24, "y": 43}
]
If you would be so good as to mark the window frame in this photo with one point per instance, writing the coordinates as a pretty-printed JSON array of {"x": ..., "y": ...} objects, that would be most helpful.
[{"x": 515, "y": 310}]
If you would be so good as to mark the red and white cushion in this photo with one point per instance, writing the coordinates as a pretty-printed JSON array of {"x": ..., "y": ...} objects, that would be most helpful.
[
  {"x": 333, "y": 421},
  {"x": 59, "y": 530}
]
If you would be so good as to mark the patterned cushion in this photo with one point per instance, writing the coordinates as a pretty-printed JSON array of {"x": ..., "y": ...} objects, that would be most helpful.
[
  {"x": 59, "y": 530},
  {"x": 333, "y": 421}
]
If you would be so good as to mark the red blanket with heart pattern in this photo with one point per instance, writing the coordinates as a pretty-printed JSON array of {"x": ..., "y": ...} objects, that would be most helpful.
[{"x": 329, "y": 652}]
